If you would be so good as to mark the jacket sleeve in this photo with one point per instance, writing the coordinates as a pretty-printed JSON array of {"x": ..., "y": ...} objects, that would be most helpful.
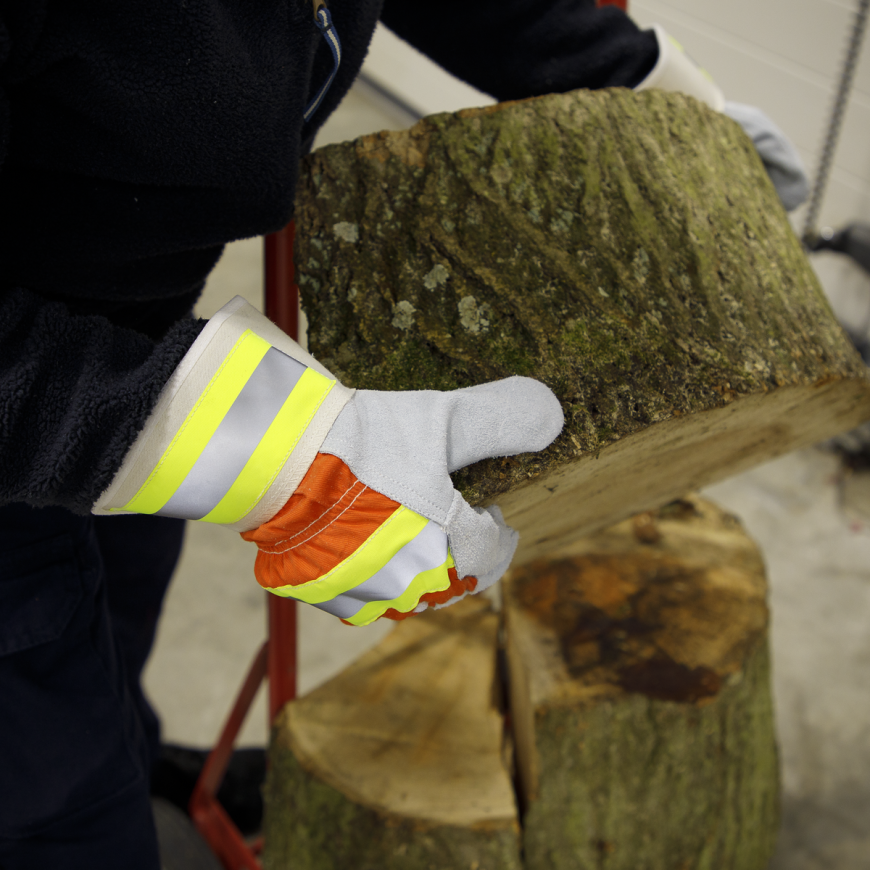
[
  {"x": 514, "y": 49},
  {"x": 74, "y": 389}
]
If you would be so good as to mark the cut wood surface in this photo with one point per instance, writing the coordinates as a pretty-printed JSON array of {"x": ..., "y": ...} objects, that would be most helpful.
[
  {"x": 627, "y": 249},
  {"x": 640, "y": 696},
  {"x": 398, "y": 761}
]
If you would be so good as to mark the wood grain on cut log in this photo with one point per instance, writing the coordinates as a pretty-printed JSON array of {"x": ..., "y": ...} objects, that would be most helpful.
[
  {"x": 398, "y": 762},
  {"x": 627, "y": 249},
  {"x": 640, "y": 693}
]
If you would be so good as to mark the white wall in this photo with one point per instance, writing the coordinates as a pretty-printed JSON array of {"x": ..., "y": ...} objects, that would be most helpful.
[{"x": 782, "y": 55}]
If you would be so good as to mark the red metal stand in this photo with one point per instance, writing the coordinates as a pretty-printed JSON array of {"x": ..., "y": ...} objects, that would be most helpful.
[
  {"x": 207, "y": 814},
  {"x": 276, "y": 658},
  {"x": 622, "y": 4},
  {"x": 282, "y": 308}
]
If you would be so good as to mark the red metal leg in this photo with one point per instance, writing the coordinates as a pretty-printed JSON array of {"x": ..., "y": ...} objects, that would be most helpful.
[
  {"x": 282, "y": 294},
  {"x": 282, "y": 308},
  {"x": 208, "y": 815},
  {"x": 622, "y": 4},
  {"x": 282, "y": 653},
  {"x": 277, "y": 656}
]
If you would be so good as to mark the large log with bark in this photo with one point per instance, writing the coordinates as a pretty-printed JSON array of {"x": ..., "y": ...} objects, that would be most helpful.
[
  {"x": 641, "y": 702},
  {"x": 627, "y": 249}
]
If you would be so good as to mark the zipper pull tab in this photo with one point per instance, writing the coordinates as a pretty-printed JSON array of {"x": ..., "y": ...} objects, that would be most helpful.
[{"x": 323, "y": 20}]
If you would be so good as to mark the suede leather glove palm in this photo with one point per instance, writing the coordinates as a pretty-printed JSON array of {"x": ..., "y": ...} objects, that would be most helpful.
[
  {"x": 676, "y": 71},
  {"x": 347, "y": 494}
]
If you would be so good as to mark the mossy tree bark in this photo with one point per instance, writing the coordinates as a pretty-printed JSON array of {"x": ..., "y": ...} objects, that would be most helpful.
[
  {"x": 640, "y": 692},
  {"x": 627, "y": 249}
]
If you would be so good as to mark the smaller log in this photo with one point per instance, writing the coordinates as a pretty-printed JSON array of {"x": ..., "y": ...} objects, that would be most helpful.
[
  {"x": 640, "y": 696},
  {"x": 397, "y": 762}
]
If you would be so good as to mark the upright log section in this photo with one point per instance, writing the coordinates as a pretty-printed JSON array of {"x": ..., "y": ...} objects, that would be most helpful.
[
  {"x": 397, "y": 763},
  {"x": 640, "y": 708},
  {"x": 627, "y": 249},
  {"x": 640, "y": 693}
]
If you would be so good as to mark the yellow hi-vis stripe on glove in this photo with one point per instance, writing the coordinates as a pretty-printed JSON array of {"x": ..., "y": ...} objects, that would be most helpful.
[
  {"x": 404, "y": 558},
  {"x": 234, "y": 430},
  {"x": 236, "y": 438},
  {"x": 433, "y": 580},
  {"x": 199, "y": 426}
]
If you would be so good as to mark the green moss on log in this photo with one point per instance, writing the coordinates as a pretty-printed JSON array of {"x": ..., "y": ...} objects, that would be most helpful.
[
  {"x": 659, "y": 785},
  {"x": 627, "y": 249}
]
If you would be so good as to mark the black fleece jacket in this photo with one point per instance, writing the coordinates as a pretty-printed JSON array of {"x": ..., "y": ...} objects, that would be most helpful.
[{"x": 137, "y": 137}]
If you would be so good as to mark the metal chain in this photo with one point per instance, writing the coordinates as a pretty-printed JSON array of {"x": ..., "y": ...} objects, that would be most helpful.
[{"x": 821, "y": 181}]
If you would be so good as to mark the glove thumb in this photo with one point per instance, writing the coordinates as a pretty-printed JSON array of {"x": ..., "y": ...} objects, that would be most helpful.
[{"x": 502, "y": 418}]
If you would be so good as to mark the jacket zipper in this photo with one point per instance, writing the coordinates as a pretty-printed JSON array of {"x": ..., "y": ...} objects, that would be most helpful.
[{"x": 323, "y": 21}]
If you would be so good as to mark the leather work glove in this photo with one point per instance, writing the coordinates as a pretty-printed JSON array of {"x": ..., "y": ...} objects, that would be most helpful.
[
  {"x": 676, "y": 71},
  {"x": 346, "y": 493},
  {"x": 780, "y": 157}
]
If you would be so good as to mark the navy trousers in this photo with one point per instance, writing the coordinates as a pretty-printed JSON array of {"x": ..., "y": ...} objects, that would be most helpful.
[{"x": 79, "y": 603}]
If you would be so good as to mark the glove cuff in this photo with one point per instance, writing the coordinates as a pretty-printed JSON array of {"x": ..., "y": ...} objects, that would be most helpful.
[
  {"x": 676, "y": 71},
  {"x": 235, "y": 428}
]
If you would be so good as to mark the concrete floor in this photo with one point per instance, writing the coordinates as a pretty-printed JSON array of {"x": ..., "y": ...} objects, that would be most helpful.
[
  {"x": 818, "y": 557},
  {"x": 818, "y": 562}
]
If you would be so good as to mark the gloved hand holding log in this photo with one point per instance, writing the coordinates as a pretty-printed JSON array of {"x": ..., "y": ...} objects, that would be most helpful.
[
  {"x": 347, "y": 494},
  {"x": 376, "y": 528},
  {"x": 624, "y": 249}
]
